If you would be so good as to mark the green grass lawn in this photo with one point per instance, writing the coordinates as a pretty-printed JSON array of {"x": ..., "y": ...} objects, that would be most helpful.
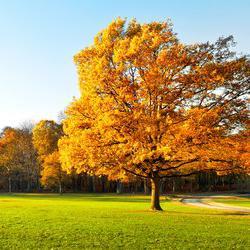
[
  {"x": 115, "y": 222},
  {"x": 235, "y": 201}
]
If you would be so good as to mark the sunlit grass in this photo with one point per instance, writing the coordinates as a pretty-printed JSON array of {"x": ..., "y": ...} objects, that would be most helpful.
[{"x": 112, "y": 221}]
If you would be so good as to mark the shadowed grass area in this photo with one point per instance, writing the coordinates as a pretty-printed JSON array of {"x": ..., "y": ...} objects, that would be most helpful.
[{"x": 76, "y": 221}]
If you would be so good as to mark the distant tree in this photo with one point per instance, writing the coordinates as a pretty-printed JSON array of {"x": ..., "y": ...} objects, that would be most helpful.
[
  {"x": 18, "y": 156},
  {"x": 8, "y": 153},
  {"x": 28, "y": 156},
  {"x": 46, "y": 134},
  {"x": 45, "y": 138},
  {"x": 27, "y": 126},
  {"x": 52, "y": 173},
  {"x": 156, "y": 108}
]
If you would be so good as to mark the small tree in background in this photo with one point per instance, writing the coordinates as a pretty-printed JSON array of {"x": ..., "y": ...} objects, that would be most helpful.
[
  {"x": 8, "y": 153},
  {"x": 45, "y": 139},
  {"x": 52, "y": 173},
  {"x": 18, "y": 156}
]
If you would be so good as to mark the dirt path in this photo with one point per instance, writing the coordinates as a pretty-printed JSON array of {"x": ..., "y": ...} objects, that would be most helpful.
[{"x": 208, "y": 203}]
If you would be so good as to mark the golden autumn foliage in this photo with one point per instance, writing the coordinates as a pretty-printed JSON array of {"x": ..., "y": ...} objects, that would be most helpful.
[
  {"x": 52, "y": 174},
  {"x": 14, "y": 145},
  {"x": 46, "y": 134},
  {"x": 154, "y": 107},
  {"x": 8, "y": 148},
  {"x": 45, "y": 139},
  {"x": 8, "y": 152},
  {"x": 17, "y": 155}
]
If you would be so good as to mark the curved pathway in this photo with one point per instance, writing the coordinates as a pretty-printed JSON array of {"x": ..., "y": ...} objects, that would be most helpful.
[{"x": 201, "y": 202}]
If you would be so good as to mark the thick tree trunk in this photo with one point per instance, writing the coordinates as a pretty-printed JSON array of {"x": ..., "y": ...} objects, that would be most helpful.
[{"x": 155, "y": 196}]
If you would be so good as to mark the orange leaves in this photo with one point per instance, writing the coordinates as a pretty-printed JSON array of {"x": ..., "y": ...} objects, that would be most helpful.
[
  {"x": 8, "y": 136},
  {"x": 51, "y": 172},
  {"x": 45, "y": 136},
  {"x": 152, "y": 104},
  {"x": 15, "y": 149}
]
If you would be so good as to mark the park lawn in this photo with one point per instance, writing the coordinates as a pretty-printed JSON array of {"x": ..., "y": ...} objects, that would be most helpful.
[
  {"x": 235, "y": 201},
  {"x": 87, "y": 221}
]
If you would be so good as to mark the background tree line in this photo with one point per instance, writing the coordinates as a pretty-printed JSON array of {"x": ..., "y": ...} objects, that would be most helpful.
[{"x": 29, "y": 162}]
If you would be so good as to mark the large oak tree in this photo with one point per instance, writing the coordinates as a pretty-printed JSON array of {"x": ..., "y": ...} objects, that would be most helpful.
[{"x": 156, "y": 108}]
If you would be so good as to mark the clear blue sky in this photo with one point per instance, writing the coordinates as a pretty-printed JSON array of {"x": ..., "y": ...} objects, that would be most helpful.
[{"x": 39, "y": 38}]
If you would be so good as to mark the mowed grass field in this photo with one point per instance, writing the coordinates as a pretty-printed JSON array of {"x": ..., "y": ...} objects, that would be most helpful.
[{"x": 86, "y": 221}]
